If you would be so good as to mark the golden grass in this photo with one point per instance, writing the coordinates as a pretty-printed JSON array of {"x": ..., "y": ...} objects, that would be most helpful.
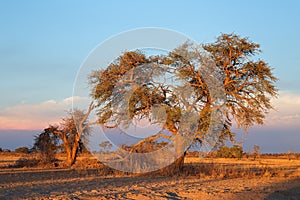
[
  {"x": 244, "y": 168},
  {"x": 194, "y": 166}
]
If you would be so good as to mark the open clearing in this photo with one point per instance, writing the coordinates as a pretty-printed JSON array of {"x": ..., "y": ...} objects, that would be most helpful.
[{"x": 202, "y": 179}]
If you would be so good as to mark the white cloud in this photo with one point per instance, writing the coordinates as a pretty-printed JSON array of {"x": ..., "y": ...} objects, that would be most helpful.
[
  {"x": 287, "y": 110},
  {"x": 37, "y": 116}
]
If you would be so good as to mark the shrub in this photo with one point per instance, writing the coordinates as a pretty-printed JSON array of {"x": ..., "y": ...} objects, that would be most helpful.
[
  {"x": 230, "y": 152},
  {"x": 46, "y": 144},
  {"x": 22, "y": 150},
  {"x": 223, "y": 152},
  {"x": 237, "y": 151},
  {"x": 26, "y": 162}
]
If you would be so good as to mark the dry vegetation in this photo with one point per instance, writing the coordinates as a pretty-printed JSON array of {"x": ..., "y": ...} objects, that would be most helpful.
[{"x": 270, "y": 176}]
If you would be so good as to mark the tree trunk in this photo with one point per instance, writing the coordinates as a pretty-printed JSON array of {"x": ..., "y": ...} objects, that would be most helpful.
[
  {"x": 175, "y": 168},
  {"x": 73, "y": 154},
  {"x": 67, "y": 148},
  {"x": 69, "y": 158}
]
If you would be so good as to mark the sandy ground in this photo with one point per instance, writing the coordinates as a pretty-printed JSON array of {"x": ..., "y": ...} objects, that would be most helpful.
[
  {"x": 91, "y": 184},
  {"x": 85, "y": 184}
]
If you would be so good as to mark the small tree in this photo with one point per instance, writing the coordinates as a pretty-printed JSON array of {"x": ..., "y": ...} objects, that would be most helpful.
[
  {"x": 105, "y": 146},
  {"x": 232, "y": 152},
  {"x": 6, "y": 150},
  {"x": 68, "y": 136},
  {"x": 223, "y": 152},
  {"x": 256, "y": 153},
  {"x": 237, "y": 151},
  {"x": 1, "y": 150},
  {"x": 46, "y": 144},
  {"x": 72, "y": 130},
  {"x": 289, "y": 154}
]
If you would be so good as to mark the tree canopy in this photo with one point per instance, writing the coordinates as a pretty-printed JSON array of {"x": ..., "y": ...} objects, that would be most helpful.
[{"x": 223, "y": 77}]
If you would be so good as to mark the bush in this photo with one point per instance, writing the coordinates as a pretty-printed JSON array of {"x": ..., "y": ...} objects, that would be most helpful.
[
  {"x": 46, "y": 144},
  {"x": 237, "y": 151},
  {"x": 26, "y": 162},
  {"x": 230, "y": 152},
  {"x": 1, "y": 150},
  {"x": 223, "y": 152},
  {"x": 22, "y": 150}
]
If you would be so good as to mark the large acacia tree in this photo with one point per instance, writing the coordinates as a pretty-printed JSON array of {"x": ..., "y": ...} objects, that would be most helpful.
[{"x": 247, "y": 86}]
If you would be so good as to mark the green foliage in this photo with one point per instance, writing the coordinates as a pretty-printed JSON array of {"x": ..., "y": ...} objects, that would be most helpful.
[
  {"x": 230, "y": 152},
  {"x": 22, "y": 150}
]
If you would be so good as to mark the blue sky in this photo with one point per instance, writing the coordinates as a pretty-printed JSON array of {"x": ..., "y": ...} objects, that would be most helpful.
[{"x": 43, "y": 44}]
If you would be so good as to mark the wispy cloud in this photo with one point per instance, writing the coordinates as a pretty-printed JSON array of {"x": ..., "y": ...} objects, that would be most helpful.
[{"x": 36, "y": 116}]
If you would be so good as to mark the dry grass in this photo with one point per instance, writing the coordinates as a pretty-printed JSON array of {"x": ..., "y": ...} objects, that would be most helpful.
[
  {"x": 194, "y": 166},
  {"x": 201, "y": 178},
  {"x": 244, "y": 168}
]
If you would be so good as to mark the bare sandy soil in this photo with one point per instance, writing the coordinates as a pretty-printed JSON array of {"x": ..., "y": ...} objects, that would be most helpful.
[{"x": 92, "y": 184}]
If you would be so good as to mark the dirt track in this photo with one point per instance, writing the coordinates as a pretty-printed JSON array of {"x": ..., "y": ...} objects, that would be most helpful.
[
  {"x": 87, "y": 184},
  {"x": 207, "y": 179}
]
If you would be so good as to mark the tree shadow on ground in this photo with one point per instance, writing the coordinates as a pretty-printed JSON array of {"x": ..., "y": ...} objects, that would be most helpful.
[{"x": 288, "y": 194}]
